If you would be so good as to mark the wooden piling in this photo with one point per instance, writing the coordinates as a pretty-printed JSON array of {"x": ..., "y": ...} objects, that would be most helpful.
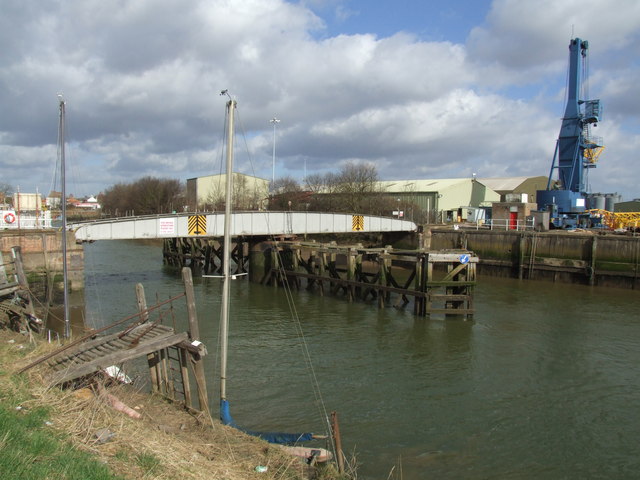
[
  {"x": 152, "y": 358},
  {"x": 194, "y": 336},
  {"x": 449, "y": 295},
  {"x": 337, "y": 439}
]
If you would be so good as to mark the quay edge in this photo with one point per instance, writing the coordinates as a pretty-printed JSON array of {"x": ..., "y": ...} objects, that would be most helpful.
[{"x": 603, "y": 259}]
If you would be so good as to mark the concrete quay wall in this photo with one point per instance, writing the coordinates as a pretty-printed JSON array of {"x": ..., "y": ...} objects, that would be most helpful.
[
  {"x": 599, "y": 259},
  {"x": 42, "y": 254}
]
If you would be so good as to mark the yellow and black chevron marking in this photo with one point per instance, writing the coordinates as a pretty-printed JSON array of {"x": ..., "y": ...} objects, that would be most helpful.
[
  {"x": 357, "y": 223},
  {"x": 197, "y": 224}
]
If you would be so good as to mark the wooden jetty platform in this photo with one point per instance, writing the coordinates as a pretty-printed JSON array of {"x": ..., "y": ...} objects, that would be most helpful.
[{"x": 439, "y": 282}]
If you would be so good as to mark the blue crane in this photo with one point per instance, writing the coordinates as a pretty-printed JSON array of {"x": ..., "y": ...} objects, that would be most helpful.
[{"x": 576, "y": 150}]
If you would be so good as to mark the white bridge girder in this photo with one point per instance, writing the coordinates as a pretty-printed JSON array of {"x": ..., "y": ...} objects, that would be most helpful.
[{"x": 242, "y": 224}]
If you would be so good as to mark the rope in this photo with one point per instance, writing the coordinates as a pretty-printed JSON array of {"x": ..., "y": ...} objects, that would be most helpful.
[{"x": 294, "y": 315}]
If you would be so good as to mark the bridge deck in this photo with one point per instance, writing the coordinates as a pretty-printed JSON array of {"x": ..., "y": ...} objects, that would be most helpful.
[{"x": 242, "y": 224}]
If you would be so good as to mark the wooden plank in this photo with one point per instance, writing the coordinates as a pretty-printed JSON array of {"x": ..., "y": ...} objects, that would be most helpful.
[
  {"x": 439, "y": 283},
  {"x": 449, "y": 297},
  {"x": 117, "y": 357},
  {"x": 99, "y": 340},
  {"x": 451, "y": 311},
  {"x": 454, "y": 272},
  {"x": 9, "y": 288}
]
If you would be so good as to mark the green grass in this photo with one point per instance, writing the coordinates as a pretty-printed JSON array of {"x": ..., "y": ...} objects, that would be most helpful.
[
  {"x": 148, "y": 462},
  {"x": 32, "y": 450}
]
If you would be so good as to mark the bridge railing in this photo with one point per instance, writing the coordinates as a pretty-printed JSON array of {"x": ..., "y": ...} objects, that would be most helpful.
[
  {"x": 211, "y": 224},
  {"x": 507, "y": 224}
]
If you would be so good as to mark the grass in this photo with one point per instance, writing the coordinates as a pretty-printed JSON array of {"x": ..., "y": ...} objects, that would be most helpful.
[
  {"x": 31, "y": 450},
  {"x": 52, "y": 435}
]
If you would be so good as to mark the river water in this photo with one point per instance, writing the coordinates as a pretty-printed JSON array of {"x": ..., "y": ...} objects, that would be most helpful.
[{"x": 544, "y": 383}]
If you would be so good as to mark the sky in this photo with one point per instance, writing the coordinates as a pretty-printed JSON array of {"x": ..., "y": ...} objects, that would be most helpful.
[{"x": 420, "y": 89}]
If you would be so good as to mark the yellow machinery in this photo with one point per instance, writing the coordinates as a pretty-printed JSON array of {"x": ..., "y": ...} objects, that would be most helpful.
[{"x": 616, "y": 220}]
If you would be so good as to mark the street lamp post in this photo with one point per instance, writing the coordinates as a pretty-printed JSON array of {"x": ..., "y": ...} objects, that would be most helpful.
[{"x": 275, "y": 121}]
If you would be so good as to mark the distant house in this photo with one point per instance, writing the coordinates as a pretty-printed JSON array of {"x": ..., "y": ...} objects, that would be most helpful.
[
  {"x": 90, "y": 203},
  {"x": 53, "y": 200},
  {"x": 72, "y": 201}
]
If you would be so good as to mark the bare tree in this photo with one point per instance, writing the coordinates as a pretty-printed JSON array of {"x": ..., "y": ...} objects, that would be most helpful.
[
  {"x": 6, "y": 191},
  {"x": 149, "y": 195},
  {"x": 288, "y": 195},
  {"x": 358, "y": 182}
]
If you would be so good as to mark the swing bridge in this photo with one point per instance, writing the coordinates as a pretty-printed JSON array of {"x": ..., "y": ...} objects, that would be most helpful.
[{"x": 266, "y": 247}]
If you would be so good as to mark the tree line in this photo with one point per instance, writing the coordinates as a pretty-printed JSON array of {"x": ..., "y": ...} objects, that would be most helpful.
[
  {"x": 147, "y": 196},
  {"x": 354, "y": 188}
]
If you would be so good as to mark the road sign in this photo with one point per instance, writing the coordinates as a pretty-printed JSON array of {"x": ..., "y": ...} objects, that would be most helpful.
[
  {"x": 197, "y": 225},
  {"x": 464, "y": 258}
]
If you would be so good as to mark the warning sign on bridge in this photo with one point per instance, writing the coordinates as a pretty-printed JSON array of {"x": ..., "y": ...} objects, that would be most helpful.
[
  {"x": 357, "y": 223},
  {"x": 197, "y": 225}
]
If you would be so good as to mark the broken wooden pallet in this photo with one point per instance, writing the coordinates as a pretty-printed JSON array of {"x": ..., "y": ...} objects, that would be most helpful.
[{"x": 102, "y": 352}]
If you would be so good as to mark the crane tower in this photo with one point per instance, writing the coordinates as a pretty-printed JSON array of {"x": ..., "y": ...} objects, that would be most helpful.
[{"x": 576, "y": 150}]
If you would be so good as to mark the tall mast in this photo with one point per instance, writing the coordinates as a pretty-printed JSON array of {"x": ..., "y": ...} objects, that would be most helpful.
[
  {"x": 224, "y": 313},
  {"x": 63, "y": 180}
]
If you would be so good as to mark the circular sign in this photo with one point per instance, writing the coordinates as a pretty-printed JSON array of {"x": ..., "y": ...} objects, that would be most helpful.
[
  {"x": 464, "y": 258},
  {"x": 9, "y": 218}
]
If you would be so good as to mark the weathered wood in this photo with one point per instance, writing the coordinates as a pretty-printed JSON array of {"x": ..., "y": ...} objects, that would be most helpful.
[
  {"x": 350, "y": 278},
  {"x": 22, "y": 278},
  {"x": 80, "y": 341},
  {"x": 194, "y": 334},
  {"x": 144, "y": 317},
  {"x": 115, "y": 358},
  {"x": 337, "y": 440},
  {"x": 186, "y": 385},
  {"x": 87, "y": 351}
]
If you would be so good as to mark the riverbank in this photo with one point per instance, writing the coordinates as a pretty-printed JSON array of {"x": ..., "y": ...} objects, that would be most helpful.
[{"x": 165, "y": 442}]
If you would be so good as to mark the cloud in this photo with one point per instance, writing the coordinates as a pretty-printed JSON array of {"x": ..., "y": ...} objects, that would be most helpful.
[{"x": 142, "y": 82}]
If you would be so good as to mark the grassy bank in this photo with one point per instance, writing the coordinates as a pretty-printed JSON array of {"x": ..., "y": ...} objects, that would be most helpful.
[{"x": 49, "y": 433}]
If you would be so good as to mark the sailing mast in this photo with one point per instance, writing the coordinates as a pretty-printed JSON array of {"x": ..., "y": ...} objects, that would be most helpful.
[
  {"x": 65, "y": 273},
  {"x": 224, "y": 313},
  {"x": 225, "y": 415}
]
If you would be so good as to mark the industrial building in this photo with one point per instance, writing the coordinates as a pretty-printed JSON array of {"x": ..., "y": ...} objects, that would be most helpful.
[
  {"x": 516, "y": 185},
  {"x": 207, "y": 193},
  {"x": 630, "y": 206},
  {"x": 439, "y": 200}
]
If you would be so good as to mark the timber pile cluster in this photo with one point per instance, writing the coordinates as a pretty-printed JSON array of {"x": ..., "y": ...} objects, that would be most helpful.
[
  {"x": 17, "y": 311},
  {"x": 120, "y": 425}
]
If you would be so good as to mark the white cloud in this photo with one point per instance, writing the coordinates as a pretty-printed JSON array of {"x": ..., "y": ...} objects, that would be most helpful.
[{"x": 142, "y": 82}]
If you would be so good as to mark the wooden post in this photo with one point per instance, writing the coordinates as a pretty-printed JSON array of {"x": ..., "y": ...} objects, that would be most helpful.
[
  {"x": 184, "y": 362},
  {"x": 22, "y": 278},
  {"x": 152, "y": 358},
  {"x": 521, "y": 259},
  {"x": 164, "y": 373},
  {"x": 335, "y": 427},
  {"x": 592, "y": 270},
  {"x": 194, "y": 335},
  {"x": 418, "y": 304},
  {"x": 322, "y": 269},
  {"x": 351, "y": 272},
  {"x": 275, "y": 265},
  {"x": 382, "y": 280}
]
